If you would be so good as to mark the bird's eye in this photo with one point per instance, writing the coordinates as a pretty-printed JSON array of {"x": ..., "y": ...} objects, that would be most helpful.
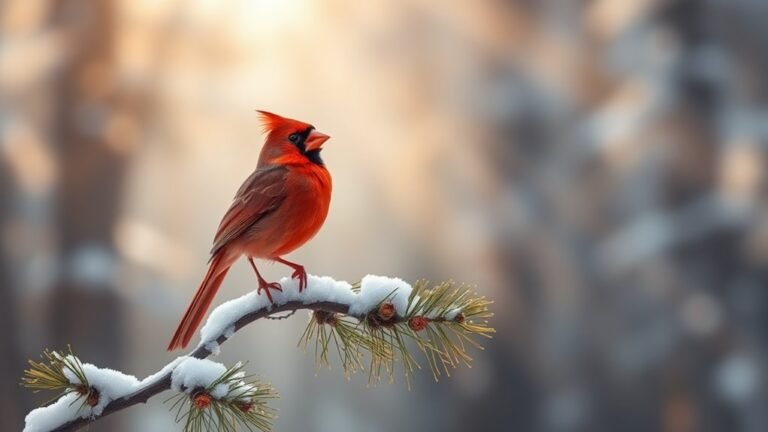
[{"x": 294, "y": 138}]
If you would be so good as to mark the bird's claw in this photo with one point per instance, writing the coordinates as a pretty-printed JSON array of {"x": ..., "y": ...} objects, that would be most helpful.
[
  {"x": 301, "y": 275},
  {"x": 266, "y": 286}
]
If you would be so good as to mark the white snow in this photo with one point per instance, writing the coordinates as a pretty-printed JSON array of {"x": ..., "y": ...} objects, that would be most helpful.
[
  {"x": 188, "y": 374},
  {"x": 45, "y": 419},
  {"x": 195, "y": 373},
  {"x": 318, "y": 289},
  {"x": 161, "y": 373},
  {"x": 229, "y": 332},
  {"x": 452, "y": 314},
  {"x": 110, "y": 383},
  {"x": 213, "y": 347},
  {"x": 375, "y": 289}
]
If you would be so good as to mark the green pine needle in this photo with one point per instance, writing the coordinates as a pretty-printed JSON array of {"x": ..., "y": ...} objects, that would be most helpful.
[
  {"x": 452, "y": 318},
  {"x": 51, "y": 374},
  {"x": 245, "y": 405}
]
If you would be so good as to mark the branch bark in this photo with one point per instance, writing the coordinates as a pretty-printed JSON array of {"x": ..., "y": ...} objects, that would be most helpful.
[{"x": 163, "y": 383}]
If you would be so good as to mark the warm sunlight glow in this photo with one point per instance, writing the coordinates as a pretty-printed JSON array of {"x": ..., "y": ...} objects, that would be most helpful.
[{"x": 265, "y": 16}]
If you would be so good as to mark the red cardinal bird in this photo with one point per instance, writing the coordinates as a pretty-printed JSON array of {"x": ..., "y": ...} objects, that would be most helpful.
[{"x": 280, "y": 207}]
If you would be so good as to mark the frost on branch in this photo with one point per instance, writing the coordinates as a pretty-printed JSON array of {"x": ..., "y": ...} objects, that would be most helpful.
[{"x": 376, "y": 325}]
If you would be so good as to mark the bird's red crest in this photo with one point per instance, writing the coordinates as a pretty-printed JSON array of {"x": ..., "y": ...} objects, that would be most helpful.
[{"x": 273, "y": 122}]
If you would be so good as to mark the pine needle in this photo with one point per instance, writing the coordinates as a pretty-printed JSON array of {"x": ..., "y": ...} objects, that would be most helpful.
[
  {"x": 245, "y": 405},
  {"x": 449, "y": 320}
]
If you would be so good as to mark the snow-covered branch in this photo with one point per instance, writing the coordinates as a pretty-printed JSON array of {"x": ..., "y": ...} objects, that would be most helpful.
[{"x": 373, "y": 317}]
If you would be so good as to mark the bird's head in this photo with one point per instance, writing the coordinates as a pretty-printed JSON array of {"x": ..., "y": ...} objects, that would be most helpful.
[{"x": 290, "y": 141}]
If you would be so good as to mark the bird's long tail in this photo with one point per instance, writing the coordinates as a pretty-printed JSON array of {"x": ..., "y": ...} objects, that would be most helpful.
[{"x": 217, "y": 270}]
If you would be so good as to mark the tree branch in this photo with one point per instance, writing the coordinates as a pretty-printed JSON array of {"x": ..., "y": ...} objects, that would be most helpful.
[
  {"x": 163, "y": 383},
  {"x": 375, "y": 316}
]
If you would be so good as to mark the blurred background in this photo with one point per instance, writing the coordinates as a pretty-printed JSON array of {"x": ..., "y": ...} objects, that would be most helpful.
[{"x": 597, "y": 167}]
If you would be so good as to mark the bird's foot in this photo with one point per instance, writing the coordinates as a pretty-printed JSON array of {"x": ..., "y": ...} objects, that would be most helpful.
[
  {"x": 300, "y": 274},
  {"x": 266, "y": 286}
]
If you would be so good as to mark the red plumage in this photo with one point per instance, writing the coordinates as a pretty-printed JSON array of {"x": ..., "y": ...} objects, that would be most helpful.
[{"x": 278, "y": 208}]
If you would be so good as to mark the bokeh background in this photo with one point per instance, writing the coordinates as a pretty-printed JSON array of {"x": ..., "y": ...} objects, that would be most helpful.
[{"x": 597, "y": 167}]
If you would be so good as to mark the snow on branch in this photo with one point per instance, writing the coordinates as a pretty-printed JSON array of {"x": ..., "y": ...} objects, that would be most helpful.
[{"x": 376, "y": 321}]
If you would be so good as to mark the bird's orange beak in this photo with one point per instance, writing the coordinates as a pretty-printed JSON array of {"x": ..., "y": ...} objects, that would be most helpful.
[{"x": 315, "y": 140}]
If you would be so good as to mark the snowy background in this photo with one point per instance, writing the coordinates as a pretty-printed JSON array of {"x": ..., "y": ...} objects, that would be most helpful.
[{"x": 598, "y": 167}]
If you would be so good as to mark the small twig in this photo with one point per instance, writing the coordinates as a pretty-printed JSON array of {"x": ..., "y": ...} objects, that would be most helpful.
[{"x": 282, "y": 317}]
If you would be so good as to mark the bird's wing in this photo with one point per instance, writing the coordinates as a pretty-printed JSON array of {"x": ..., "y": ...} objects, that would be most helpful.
[{"x": 261, "y": 194}]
